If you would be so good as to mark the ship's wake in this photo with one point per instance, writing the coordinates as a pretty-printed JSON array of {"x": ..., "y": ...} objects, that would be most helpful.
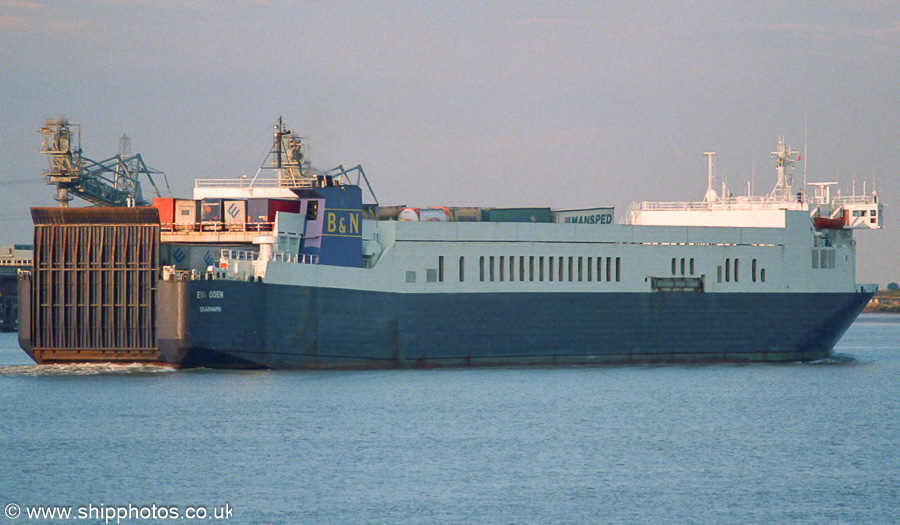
[
  {"x": 837, "y": 359},
  {"x": 83, "y": 369}
]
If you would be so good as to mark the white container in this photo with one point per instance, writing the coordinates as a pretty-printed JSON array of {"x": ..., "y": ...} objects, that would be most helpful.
[{"x": 598, "y": 216}]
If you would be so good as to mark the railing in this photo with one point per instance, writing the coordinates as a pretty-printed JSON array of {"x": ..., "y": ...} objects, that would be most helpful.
[
  {"x": 246, "y": 255},
  {"x": 750, "y": 203},
  {"x": 259, "y": 183},
  {"x": 216, "y": 226}
]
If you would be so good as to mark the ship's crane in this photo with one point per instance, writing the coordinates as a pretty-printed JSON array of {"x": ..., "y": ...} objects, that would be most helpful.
[{"x": 110, "y": 182}]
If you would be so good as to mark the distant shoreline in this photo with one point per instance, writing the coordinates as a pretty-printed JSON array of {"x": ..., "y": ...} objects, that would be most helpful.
[{"x": 887, "y": 302}]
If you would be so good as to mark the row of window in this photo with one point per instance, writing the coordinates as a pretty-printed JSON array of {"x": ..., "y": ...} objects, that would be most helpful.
[
  {"x": 733, "y": 271},
  {"x": 690, "y": 269},
  {"x": 536, "y": 268}
]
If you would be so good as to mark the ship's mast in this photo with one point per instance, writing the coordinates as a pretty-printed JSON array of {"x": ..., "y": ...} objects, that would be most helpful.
[
  {"x": 288, "y": 158},
  {"x": 784, "y": 162}
]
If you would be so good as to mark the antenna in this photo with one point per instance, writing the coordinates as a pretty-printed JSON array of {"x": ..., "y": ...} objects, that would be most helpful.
[
  {"x": 710, "y": 192},
  {"x": 805, "y": 152}
]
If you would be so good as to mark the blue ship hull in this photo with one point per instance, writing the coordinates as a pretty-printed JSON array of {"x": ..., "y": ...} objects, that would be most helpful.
[{"x": 256, "y": 325}]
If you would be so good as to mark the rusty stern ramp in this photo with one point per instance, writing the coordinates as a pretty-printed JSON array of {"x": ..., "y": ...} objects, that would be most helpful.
[{"x": 91, "y": 294}]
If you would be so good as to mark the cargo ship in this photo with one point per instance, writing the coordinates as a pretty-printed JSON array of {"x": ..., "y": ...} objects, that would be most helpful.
[{"x": 296, "y": 271}]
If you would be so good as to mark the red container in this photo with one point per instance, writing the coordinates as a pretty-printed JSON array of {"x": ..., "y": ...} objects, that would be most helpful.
[
  {"x": 263, "y": 210},
  {"x": 166, "y": 209}
]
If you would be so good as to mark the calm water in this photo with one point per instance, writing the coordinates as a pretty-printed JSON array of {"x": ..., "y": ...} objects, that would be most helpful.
[{"x": 797, "y": 443}]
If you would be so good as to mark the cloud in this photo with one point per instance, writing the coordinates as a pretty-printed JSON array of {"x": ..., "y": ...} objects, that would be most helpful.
[
  {"x": 824, "y": 31},
  {"x": 25, "y": 24},
  {"x": 21, "y": 5},
  {"x": 550, "y": 22}
]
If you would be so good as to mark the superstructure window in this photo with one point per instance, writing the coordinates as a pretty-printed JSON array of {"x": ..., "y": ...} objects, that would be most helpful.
[
  {"x": 550, "y": 268},
  {"x": 673, "y": 265},
  {"x": 692, "y": 266},
  {"x": 541, "y": 269},
  {"x": 682, "y": 266},
  {"x": 512, "y": 268},
  {"x": 312, "y": 210},
  {"x": 727, "y": 270},
  {"x": 560, "y": 265},
  {"x": 618, "y": 269},
  {"x": 441, "y": 268},
  {"x": 753, "y": 270},
  {"x": 580, "y": 269},
  {"x": 481, "y": 267},
  {"x": 571, "y": 273},
  {"x": 608, "y": 269},
  {"x": 502, "y": 268},
  {"x": 522, "y": 268},
  {"x": 491, "y": 261},
  {"x": 531, "y": 268},
  {"x": 736, "y": 272},
  {"x": 590, "y": 266},
  {"x": 462, "y": 268}
]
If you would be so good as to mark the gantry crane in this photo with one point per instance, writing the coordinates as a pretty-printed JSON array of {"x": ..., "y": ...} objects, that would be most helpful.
[{"x": 110, "y": 182}]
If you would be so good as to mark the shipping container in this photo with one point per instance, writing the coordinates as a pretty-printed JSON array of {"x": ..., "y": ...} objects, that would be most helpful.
[
  {"x": 186, "y": 211},
  {"x": 194, "y": 257},
  {"x": 211, "y": 210},
  {"x": 235, "y": 211},
  {"x": 516, "y": 214},
  {"x": 263, "y": 210},
  {"x": 425, "y": 214},
  {"x": 466, "y": 214},
  {"x": 381, "y": 213},
  {"x": 598, "y": 216},
  {"x": 166, "y": 207}
]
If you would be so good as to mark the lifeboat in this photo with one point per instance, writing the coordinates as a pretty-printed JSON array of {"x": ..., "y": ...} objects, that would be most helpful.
[{"x": 826, "y": 223}]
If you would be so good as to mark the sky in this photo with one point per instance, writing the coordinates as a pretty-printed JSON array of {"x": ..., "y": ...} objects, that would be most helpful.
[{"x": 506, "y": 103}]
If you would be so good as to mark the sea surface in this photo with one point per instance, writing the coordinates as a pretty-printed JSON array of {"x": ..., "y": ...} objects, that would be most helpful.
[{"x": 789, "y": 443}]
